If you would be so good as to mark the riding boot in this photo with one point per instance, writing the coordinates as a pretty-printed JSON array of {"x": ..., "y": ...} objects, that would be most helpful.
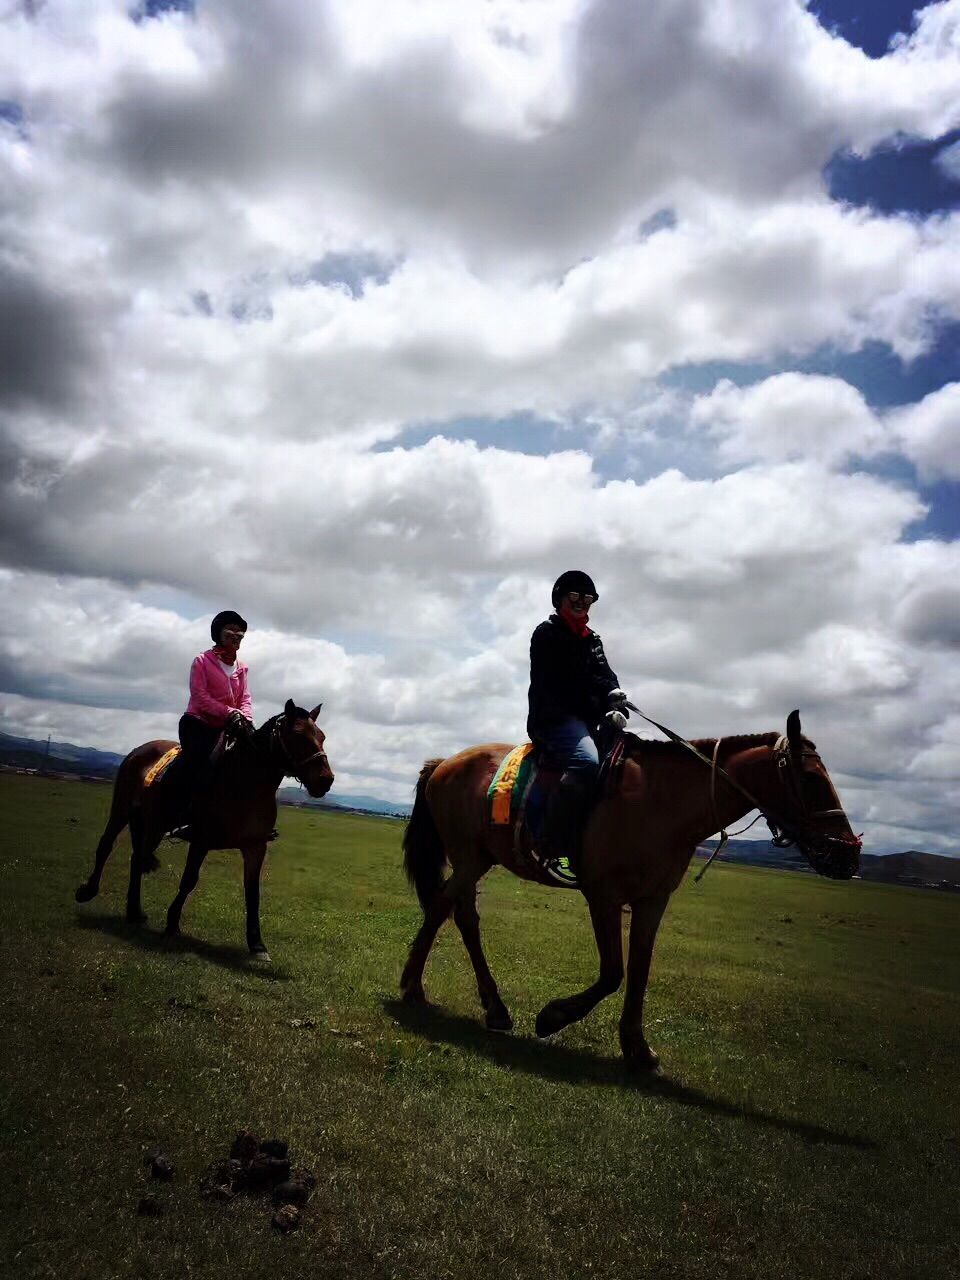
[{"x": 565, "y": 819}]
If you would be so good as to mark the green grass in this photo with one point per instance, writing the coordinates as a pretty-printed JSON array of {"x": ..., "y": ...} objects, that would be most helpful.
[{"x": 807, "y": 1123}]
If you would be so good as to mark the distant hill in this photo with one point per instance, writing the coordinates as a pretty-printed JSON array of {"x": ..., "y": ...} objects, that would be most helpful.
[
  {"x": 63, "y": 757},
  {"x": 928, "y": 867},
  {"x": 910, "y": 867},
  {"x": 66, "y": 757},
  {"x": 343, "y": 800}
]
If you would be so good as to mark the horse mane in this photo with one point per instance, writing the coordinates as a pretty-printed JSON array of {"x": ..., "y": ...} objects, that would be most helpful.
[
  {"x": 639, "y": 748},
  {"x": 263, "y": 731}
]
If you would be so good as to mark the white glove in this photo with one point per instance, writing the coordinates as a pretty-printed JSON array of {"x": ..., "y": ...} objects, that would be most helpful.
[
  {"x": 617, "y": 719},
  {"x": 616, "y": 695}
]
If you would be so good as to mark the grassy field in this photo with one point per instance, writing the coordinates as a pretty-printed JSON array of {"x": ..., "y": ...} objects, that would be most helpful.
[{"x": 807, "y": 1123}]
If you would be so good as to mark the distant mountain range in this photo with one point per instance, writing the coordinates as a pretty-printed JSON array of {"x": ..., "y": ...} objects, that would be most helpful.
[
  {"x": 65, "y": 757},
  {"x": 910, "y": 867},
  {"x": 60, "y": 757},
  {"x": 342, "y": 800}
]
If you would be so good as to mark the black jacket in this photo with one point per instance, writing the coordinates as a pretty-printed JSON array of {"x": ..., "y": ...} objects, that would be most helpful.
[{"x": 569, "y": 676}]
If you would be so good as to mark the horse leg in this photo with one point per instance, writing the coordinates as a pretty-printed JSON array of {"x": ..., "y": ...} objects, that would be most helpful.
[
  {"x": 188, "y": 882},
  {"x": 436, "y": 913},
  {"x": 644, "y": 923},
  {"x": 123, "y": 789},
  {"x": 558, "y": 1014},
  {"x": 90, "y": 888},
  {"x": 468, "y": 922},
  {"x": 143, "y": 840},
  {"x": 253, "y": 856}
]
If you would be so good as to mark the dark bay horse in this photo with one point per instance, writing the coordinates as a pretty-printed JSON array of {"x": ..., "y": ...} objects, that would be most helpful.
[
  {"x": 638, "y": 843},
  {"x": 238, "y": 812}
]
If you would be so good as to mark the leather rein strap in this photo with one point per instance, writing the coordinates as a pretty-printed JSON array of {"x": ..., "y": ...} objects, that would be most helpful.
[{"x": 782, "y": 754}]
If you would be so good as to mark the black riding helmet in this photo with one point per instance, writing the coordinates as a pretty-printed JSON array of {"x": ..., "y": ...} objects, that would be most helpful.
[
  {"x": 573, "y": 580},
  {"x": 224, "y": 619}
]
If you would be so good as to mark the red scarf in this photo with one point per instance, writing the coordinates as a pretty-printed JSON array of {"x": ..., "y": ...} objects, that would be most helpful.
[{"x": 577, "y": 625}]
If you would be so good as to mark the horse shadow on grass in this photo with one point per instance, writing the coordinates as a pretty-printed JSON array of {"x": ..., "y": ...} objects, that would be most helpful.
[
  {"x": 153, "y": 940},
  {"x": 560, "y": 1064}
]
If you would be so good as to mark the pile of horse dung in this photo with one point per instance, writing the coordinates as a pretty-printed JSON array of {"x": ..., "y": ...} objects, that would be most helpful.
[
  {"x": 256, "y": 1167},
  {"x": 161, "y": 1169}
]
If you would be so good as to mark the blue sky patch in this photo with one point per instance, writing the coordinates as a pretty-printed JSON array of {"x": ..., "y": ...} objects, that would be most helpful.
[
  {"x": 351, "y": 271},
  {"x": 901, "y": 177},
  {"x": 869, "y": 24}
]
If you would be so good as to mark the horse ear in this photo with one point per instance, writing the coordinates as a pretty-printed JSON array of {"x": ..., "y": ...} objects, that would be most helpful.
[
  {"x": 290, "y": 709},
  {"x": 316, "y": 711},
  {"x": 793, "y": 728}
]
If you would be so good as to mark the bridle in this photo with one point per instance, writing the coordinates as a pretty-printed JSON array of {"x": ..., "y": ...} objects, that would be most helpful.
[
  {"x": 791, "y": 779},
  {"x": 826, "y": 852},
  {"x": 295, "y": 766}
]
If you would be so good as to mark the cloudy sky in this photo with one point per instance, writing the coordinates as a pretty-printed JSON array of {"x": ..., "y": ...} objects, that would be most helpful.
[{"x": 367, "y": 320}]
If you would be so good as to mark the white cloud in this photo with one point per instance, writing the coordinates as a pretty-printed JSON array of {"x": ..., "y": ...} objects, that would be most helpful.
[
  {"x": 789, "y": 416},
  {"x": 222, "y": 309},
  {"x": 929, "y": 433}
]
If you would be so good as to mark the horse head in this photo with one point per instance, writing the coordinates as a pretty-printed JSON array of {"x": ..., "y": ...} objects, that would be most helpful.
[
  {"x": 301, "y": 743},
  {"x": 810, "y": 814}
]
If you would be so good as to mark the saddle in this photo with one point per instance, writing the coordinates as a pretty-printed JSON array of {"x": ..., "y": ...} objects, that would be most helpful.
[
  {"x": 170, "y": 773},
  {"x": 519, "y": 798}
]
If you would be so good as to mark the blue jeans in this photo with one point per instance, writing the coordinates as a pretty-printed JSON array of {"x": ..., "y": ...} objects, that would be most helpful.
[{"x": 572, "y": 747}]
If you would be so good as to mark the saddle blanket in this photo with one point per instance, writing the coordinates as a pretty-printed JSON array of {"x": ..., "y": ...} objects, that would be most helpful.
[
  {"x": 508, "y": 788},
  {"x": 519, "y": 794},
  {"x": 158, "y": 769}
]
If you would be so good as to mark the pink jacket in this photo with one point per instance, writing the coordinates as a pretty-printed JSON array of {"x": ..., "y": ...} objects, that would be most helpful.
[{"x": 214, "y": 694}]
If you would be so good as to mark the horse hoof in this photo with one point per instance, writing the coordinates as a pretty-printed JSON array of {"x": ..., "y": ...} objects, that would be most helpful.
[
  {"x": 550, "y": 1020},
  {"x": 414, "y": 994},
  {"x": 260, "y": 955},
  {"x": 85, "y": 893},
  {"x": 136, "y": 917},
  {"x": 499, "y": 1020},
  {"x": 646, "y": 1063}
]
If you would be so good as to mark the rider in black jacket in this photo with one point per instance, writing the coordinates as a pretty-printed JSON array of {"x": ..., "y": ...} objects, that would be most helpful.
[{"x": 572, "y": 691}]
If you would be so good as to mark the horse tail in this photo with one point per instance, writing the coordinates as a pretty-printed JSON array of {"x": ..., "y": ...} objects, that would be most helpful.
[
  {"x": 423, "y": 854},
  {"x": 123, "y": 788}
]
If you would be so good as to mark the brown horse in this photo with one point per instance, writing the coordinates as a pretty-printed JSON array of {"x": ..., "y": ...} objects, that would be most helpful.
[
  {"x": 638, "y": 842},
  {"x": 238, "y": 812}
]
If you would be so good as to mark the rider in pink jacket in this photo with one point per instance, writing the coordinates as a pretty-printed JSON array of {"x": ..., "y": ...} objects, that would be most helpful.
[
  {"x": 219, "y": 697},
  {"x": 215, "y": 695}
]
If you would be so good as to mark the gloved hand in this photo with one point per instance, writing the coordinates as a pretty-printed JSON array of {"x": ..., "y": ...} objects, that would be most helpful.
[
  {"x": 238, "y": 724},
  {"x": 616, "y": 700}
]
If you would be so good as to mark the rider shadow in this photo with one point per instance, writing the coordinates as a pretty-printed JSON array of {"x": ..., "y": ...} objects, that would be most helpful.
[
  {"x": 145, "y": 939},
  {"x": 559, "y": 1064}
]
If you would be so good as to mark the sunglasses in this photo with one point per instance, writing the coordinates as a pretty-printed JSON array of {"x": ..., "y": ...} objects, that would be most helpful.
[{"x": 584, "y": 598}]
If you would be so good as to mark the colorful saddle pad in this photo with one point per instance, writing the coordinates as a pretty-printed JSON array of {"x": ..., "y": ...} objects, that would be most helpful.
[
  {"x": 519, "y": 794},
  {"x": 159, "y": 768},
  {"x": 509, "y": 784}
]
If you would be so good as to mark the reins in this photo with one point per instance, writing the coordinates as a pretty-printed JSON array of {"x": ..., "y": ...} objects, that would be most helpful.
[
  {"x": 779, "y": 828},
  {"x": 724, "y": 833}
]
